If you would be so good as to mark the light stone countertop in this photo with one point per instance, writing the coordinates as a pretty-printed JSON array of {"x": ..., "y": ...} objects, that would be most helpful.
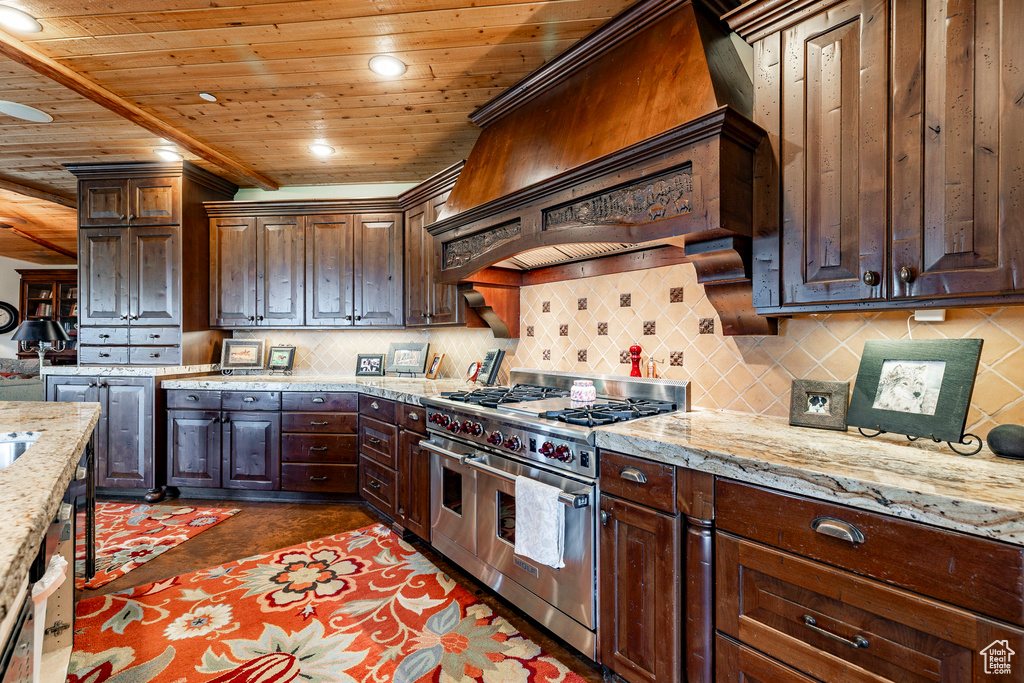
[
  {"x": 124, "y": 371},
  {"x": 32, "y": 487}
]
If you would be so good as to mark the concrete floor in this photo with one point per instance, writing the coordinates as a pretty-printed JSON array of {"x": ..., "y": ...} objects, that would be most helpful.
[{"x": 263, "y": 527}]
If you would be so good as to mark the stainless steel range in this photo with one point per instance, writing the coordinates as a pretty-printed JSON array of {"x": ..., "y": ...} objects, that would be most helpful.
[{"x": 481, "y": 440}]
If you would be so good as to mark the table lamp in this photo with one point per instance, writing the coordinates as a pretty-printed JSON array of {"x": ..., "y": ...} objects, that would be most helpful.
[{"x": 48, "y": 335}]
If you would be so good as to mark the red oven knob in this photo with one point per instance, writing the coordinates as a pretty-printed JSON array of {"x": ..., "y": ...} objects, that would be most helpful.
[
  {"x": 547, "y": 449},
  {"x": 563, "y": 454},
  {"x": 495, "y": 438},
  {"x": 513, "y": 443},
  {"x": 467, "y": 427},
  {"x": 453, "y": 427},
  {"x": 445, "y": 421},
  {"x": 477, "y": 429},
  {"x": 435, "y": 418}
]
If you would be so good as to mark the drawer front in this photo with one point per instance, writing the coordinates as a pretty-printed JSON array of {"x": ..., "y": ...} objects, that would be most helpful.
[
  {"x": 822, "y": 620},
  {"x": 320, "y": 423},
  {"x": 341, "y": 449},
  {"x": 154, "y": 336},
  {"x": 377, "y": 485},
  {"x": 103, "y": 335},
  {"x": 251, "y": 400},
  {"x": 974, "y": 573},
  {"x": 155, "y": 355},
  {"x": 413, "y": 418},
  {"x": 103, "y": 355},
  {"x": 641, "y": 481},
  {"x": 326, "y": 401},
  {"x": 735, "y": 663},
  {"x": 379, "y": 408},
  {"x": 191, "y": 399},
  {"x": 379, "y": 441},
  {"x": 320, "y": 478}
]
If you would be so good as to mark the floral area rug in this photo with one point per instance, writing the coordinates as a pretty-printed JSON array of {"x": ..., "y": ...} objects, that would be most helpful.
[
  {"x": 360, "y": 606},
  {"x": 129, "y": 535}
]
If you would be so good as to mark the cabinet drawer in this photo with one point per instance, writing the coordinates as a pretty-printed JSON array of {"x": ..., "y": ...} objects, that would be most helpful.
[
  {"x": 320, "y": 423},
  {"x": 103, "y": 355},
  {"x": 251, "y": 400},
  {"x": 326, "y": 401},
  {"x": 320, "y": 478},
  {"x": 379, "y": 441},
  {"x": 735, "y": 663},
  {"x": 412, "y": 417},
  {"x": 641, "y": 481},
  {"x": 103, "y": 335},
  {"x": 379, "y": 408},
  {"x": 822, "y": 620},
  {"x": 155, "y": 355},
  {"x": 154, "y": 336},
  {"x": 974, "y": 573},
  {"x": 377, "y": 485},
  {"x": 329, "y": 448},
  {"x": 191, "y": 399}
]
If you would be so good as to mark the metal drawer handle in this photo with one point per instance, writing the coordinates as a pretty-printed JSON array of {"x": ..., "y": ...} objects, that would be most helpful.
[
  {"x": 249, "y": 399},
  {"x": 318, "y": 478},
  {"x": 191, "y": 397},
  {"x": 104, "y": 336},
  {"x": 633, "y": 474},
  {"x": 858, "y": 642},
  {"x": 65, "y": 511},
  {"x": 154, "y": 355},
  {"x": 154, "y": 336},
  {"x": 604, "y": 518},
  {"x": 104, "y": 355},
  {"x": 415, "y": 417},
  {"x": 374, "y": 440},
  {"x": 318, "y": 448},
  {"x": 837, "y": 528},
  {"x": 373, "y": 484},
  {"x": 319, "y": 399},
  {"x": 81, "y": 473},
  {"x": 375, "y": 405},
  {"x": 319, "y": 424}
]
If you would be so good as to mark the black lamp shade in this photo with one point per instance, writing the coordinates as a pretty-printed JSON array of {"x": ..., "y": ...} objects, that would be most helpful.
[{"x": 40, "y": 330}]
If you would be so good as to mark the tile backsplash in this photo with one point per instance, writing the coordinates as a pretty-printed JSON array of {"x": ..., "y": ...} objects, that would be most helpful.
[{"x": 664, "y": 310}]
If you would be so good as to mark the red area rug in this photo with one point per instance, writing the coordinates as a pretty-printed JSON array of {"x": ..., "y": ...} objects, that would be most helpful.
[
  {"x": 360, "y": 606},
  {"x": 129, "y": 535}
]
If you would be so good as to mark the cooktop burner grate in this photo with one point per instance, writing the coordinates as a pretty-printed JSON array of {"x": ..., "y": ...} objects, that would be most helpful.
[
  {"x": 609, "y": 412},
  {"x": 492, "y": 397}
]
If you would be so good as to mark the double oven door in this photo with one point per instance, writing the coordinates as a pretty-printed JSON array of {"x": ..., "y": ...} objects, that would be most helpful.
[{"x": 474, "y": 506}]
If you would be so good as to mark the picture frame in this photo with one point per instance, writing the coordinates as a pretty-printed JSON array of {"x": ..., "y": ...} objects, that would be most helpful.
[
  {"x": 490, "y": 365},
  {"x": 281, "y": 358},
  {"x": 242, "y": 354},
  {"x": 435, "y": 365},
  {"x": 819, "y": 404},
  {"x": 370, "y": 365},
  {"x": 917, "y": 387},
  {"x": 408, "y": 357}
]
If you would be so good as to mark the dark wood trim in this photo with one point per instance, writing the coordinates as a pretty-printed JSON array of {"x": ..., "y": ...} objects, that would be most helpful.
[
  {"x": 238, "y": 494},
  {"x": 302, "y": 207},
  {"x": 498, "y": 306},
  {"x": 36, "y": 193},
  {"x": 652, "y": 257},
  {"x": 955, "y": 301},
  {"x": 436, "y": 184},
  {"x": 154, "y": 169},
  {"x": 505, "y": 277},
  {"x": 755, "y": 20}
]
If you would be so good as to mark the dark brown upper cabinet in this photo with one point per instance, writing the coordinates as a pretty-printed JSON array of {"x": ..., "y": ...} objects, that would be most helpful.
[
  {"x": 330, "y": 288},
  {"x": 890, "y": 176},
  {"x": 130, "y": 201},
  {"x": 426, "y": 301},
  {"x": 378, "y": 270},
  {"x": 232, "y": 272}
]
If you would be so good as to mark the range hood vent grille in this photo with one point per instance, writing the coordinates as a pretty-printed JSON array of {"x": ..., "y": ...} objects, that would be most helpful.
[{"x": 564, "y": 253}]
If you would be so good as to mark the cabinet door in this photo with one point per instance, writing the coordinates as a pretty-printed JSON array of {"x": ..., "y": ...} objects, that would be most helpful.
[
  {"x": 154, "y": 201},
  {"x": 834, "y": 122},
  {"x": 103, "y": 263},
  {"x": 251, "y": 451},
  {"x": 957, "y": 223},
  {"x": 640, "y": 608},
  {"x": 413, "y": 508},
  {"x": 232, "y": 272},
  {"x": 378, "y": 269},
  {"x": 125, "y": 457},
  {"x": 155, "y": 276},
  {"x": 193, "y": 448},
  {"x": 330, "y": 254},
  {"x": 418, "y": 289},
  {"x": 280, "y": 260},
  {"x": 73, "y": 390},
  {"x": 444, "y": 304},
  {"x": 102, "y": 203}
]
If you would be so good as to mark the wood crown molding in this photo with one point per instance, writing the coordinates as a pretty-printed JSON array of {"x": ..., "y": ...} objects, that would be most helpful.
[
  {"x": 432, "y": 186},
  {"x": 27, "y": 56},
  {"x": 754, "y": 20},
  {"x": 154, "y": 169},
  {"x": 618, "y": 29},
  {"x": 37, "y": 193},
  {"x": 302, "y": 207}
]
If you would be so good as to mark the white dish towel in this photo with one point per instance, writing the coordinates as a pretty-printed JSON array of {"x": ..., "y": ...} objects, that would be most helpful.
[{"x": 540, "y": 522}]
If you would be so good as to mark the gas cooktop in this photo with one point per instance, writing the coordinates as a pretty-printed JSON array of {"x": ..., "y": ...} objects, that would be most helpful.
[{"x": 492, "y": 397}]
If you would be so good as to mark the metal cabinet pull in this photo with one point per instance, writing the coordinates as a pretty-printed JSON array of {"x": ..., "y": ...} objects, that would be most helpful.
[
  {"x": 319, "y": 399},
  {"x": 604, "y": 518},
  {"x": 81, "y": 473},
  {"x": 374, "y": 440},
  {"x": 104, "y": 355},
  {"x": 216, "y": 420},
  {"x": 633, "y": 474},
  {"x": 104, "y": 336},
  {"x": 259, "y": 318},
  {"x": 318, "y": 448},
  {"x": 871, "y": 278},
  {"x": 318, "y": 478},
  {"x": 319, "y": 424},
  {"x": 252, "y": 318},
  {"x": 415, "y": 417},
  {"x": 375, "y": 405},
  {"x": 124, "y": 317},
  {"x": 906, "y": 275},
  {"x": 65, "y": 511},
  {"x": 837, "y": 528},
  {"x": 192, "y": 397},
  {"x": 249, "y": 399},
  {"x": 857, "y": 642},
  {"x": 348, "y": 317},
  {"x": 154, "y": 355},
  {"x": 154, "y": 336},
  {"x": 373, "y": 484}
]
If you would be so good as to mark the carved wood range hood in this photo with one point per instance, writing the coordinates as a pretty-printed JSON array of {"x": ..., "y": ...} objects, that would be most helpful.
[{"x": 636, "y": 141}]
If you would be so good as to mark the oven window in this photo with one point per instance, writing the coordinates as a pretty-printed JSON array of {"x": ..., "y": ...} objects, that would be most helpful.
[
  {"x": 507, "y": 517},
  {"x": 451, "y": 490}
]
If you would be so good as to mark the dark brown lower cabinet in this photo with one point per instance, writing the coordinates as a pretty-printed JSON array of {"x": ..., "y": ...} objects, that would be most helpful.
[
  {"x": 377, "y": 485},
  {"x": 413, "y": 507},
  {"x": 193, "y": 448},
  {"x": 737, "y": 663},
  {"x": 251, "y": 447},
  {"x": 640, "y": 605}
]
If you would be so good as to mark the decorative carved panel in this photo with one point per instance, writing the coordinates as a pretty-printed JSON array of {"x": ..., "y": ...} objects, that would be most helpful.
[
  {"x": 459, "y": 252},
  {"x": 652, "y": 199}
]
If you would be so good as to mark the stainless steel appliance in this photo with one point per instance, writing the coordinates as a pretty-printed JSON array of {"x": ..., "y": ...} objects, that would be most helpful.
[{"x": 482, "y": 440}]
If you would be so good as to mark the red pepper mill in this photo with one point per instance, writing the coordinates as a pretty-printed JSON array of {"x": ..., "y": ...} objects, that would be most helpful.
[{"x": 634, "y": 354}]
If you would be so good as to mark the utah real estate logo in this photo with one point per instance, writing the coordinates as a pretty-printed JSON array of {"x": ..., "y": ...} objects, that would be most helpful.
[{"x": 997, "y": 657}]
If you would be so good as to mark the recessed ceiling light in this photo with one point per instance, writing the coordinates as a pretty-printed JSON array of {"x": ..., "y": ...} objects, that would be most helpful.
[
  {"x": 321, "y": 150},
  {"x": 208, "y": 97},
  {"x": 386, "y": 65},
  {"x": 16, "y": 20},
  {"x": 24, "y": 112},
  {"x": 168, "y": 154}
]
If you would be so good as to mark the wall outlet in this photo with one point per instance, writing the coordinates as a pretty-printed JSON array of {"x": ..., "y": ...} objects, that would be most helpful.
[{"x": 932, "y": 315}]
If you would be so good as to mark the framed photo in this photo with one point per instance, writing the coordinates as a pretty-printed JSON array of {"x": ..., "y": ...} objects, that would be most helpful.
[
  {"x": 435, "y": 366},
  {"x": 490, "y": 365},
  {"x": 921, "y": 388},
  {"x": 407, "y": 357},
  {"x": 281, "y": 358},
  {"x": 370, "y": 365},
  {"x": 242, "y": 354},
  {"x": 819, "y": 404}
]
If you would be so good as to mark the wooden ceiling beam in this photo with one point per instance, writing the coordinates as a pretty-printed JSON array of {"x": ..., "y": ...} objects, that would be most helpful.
[
  {"x": 21, "y": 53},
  {"x": 38, "y": 240},
  {"x": 36, "y": 193}
]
